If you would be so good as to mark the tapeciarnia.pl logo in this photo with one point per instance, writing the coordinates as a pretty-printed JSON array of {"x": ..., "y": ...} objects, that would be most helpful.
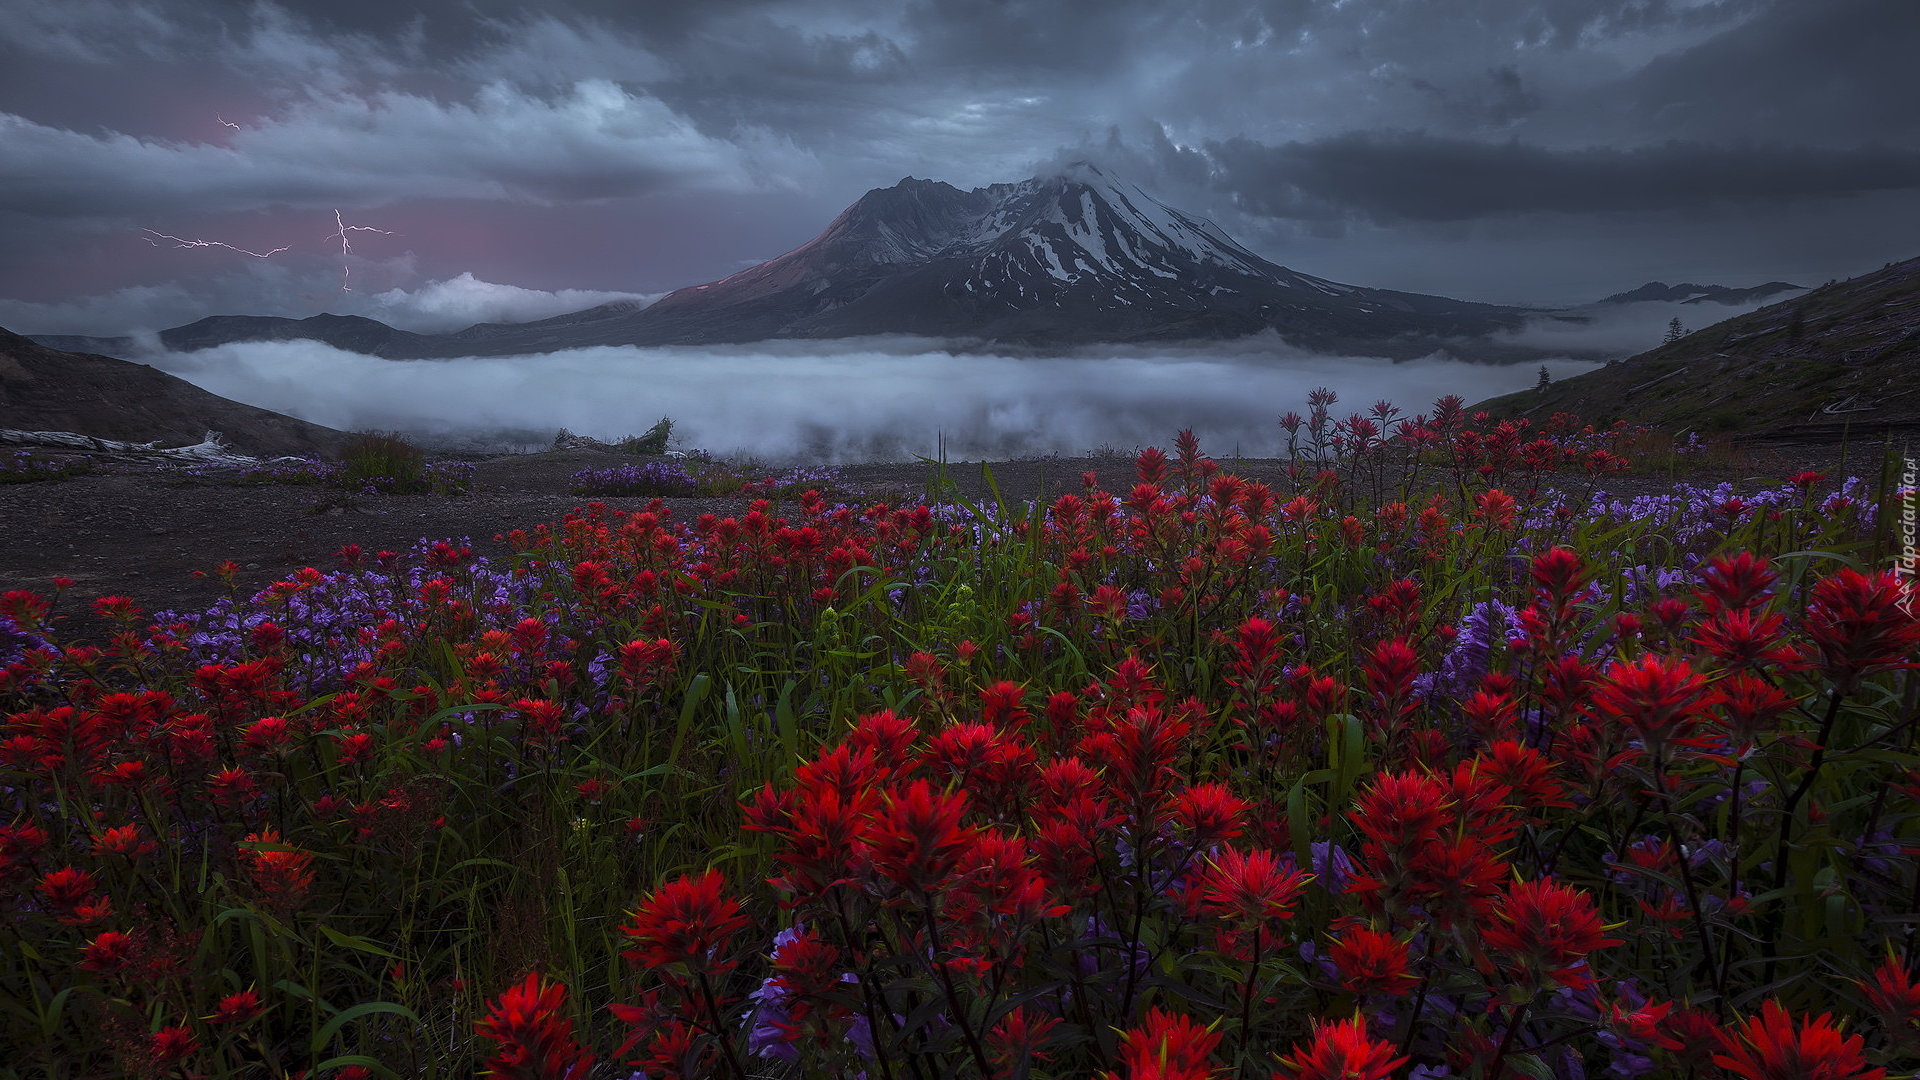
[{"x": 1907, "y": 563}]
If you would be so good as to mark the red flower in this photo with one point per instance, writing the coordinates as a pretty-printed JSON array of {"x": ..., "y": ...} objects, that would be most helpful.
[
  {"x": 541, "y": 719},
  {"x": 1738, "y": 582},
  {"x": 110, "y": 952},
  {"x": 1897, "y": 999},
  {"x": 1371, "y": 962},
  {"x": 1768, "y": 1047},
  {"x": 1544, "y": 931},
  {"x": 1251, "y": 888},
  {"x": 232, "y": 788},
  {"x": 170, "y": 1044},
  {"x": 1340, "y": 1051},
  {"x": 281, "y": 873},
  {"x": 67, "y": 888},
  {"x": 917, "y": 840},
  {"x": 1018, "y": 1037},
  {"x": 1494, "y": 508},
  {"x": 1647, "y": 1024},
  {"x": 1558, "y": 574},
  {"x": 535, "y": 1039},
  {"x": 1401, "y": 811},
  {"x": 1168, "y": 1047},
  {"x": 1740, "y": 638},
  {"x": 687, "y": 922},
  {"x": 1862, "y": 625},
  {"x": 1660, "y": 700},
  {"x": 236, "y": 1008},
  {"x": 1210, "y": 814}
]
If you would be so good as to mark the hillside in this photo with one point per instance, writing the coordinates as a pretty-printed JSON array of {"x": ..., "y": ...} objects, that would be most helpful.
[
  {"x": 44, "y": 389},
  {"x": 1842, "y": 357}
]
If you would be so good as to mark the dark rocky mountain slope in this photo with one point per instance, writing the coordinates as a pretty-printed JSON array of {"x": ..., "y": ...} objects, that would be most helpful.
[{"x": 43, "y": 389}]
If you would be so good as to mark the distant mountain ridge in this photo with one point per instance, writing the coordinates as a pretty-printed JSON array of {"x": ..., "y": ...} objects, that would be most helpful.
[
  {"x": 1839, "y": 358},
  {"x": 1688, "y": 293},
  {"x": 1072, "y": 258}
]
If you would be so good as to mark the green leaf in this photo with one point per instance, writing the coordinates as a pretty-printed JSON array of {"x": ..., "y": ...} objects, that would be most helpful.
[
  {"x": 357, "y": 944},
  {"x": 347, "y": 1016},
  {"x": 361, "y": 1060}
]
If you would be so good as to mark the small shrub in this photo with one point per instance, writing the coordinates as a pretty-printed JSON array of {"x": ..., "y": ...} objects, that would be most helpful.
[
  {"x": 385, "y": 461},
  {"x": 653, "y": 442}
]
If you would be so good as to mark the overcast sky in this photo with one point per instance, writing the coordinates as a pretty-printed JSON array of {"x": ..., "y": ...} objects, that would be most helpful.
[{"x": 519, "y": 161}]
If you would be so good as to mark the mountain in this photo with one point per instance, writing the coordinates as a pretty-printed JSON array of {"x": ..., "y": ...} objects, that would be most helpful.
[
  {"x": 1074, "y": 258},
  {"x": 43, "y": 389},
  {"x": 1688, "y": 293},
  {"x": 352, "y": 333},
  {"x": 1060, "y": 260},
  {"x": 1841, "y": 356}
]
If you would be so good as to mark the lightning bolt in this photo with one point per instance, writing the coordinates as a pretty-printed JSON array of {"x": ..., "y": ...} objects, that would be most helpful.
[
  {"x": 226, "y": 122},
  {"x": 180, "y": 241},
  {"x": 346, "y": 247}
]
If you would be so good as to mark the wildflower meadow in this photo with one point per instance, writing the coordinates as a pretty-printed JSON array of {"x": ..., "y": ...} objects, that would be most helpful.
[{"x": 1434, "y": 760}]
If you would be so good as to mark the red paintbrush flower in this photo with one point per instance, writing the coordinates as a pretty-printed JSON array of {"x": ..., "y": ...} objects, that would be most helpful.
[
  {"x": 237, "y": 1008},
  {"x": 687, "y": 922},
  {"x": 110, "y": 952},
  {"x": 1735, "y": 583},
  {"x": 1000, "y": 704},
  {"x": 170, "y": 1044},
  {"x": 1341, "y": 1050},
  {"x": 1658, "y": 699},
  {"x": 1209, "y": 814},
  {"x": 917, "y": 839},
  {"x": 1168, "y": 1047},
  {"x": 1371, "y": 962},
  {"x": 1544, "y": 931},
  {"x": 535, "y": 1040},
  {"x": 1018, "y": 1037},
  {"x": 1525, "y": 772},
  {"x": 1250, "y": 887},
  {"x": 68, "y": 891},
  {"x": 1558, "y": 574},
  {"x": 1895, "y": 996},
  {"x": 1742, "y": 638},
  {"x": 1751, "y": 708},
  {"x": 1770, "y": 1047},
  {"x": 1494, "y": 509},
  {"x": 1647, "y": 1024},
  {"x": 1861, "y": 625},
  {"x": 888, "y": 739},
  {"x": 1401, "y": 811},
  {"x": 281, "y": 874}
]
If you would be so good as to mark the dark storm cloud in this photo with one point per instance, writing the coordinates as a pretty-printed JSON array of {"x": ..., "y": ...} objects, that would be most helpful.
[
  {"x": 1832, "y": 72},
  {"x": 1377, "y": 136},
  {"x": 1415, "y": 177}
]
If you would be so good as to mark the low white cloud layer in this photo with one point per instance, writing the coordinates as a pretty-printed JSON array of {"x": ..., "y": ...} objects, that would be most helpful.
[
  {"x": 837, "y": 401},
  {"x": 457, "y": 303},
  {"x": 1625, "y": 329}
]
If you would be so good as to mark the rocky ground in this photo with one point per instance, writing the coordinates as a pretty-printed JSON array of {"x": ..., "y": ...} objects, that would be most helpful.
[{"x": 155, "y": 533}]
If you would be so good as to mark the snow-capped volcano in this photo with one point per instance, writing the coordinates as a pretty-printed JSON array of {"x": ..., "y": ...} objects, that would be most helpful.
[{"x": 1075, "y": 257}]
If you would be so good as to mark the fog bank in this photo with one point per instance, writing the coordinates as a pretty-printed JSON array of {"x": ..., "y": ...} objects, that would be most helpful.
[{"x": 848, "y": 401}]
